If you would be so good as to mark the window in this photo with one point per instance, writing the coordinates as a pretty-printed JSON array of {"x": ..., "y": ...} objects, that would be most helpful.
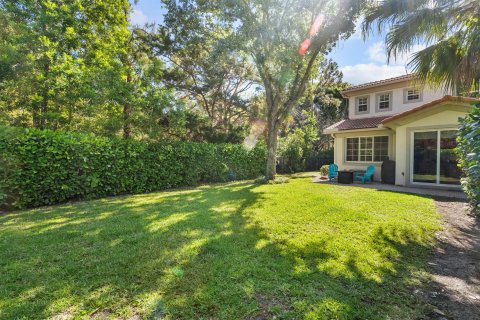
[
  {"x": 367, "y": 149},
  {"x": 380, "y": 148},
  {"x": 384, "y": 101},
  {"x": 362, "y": 105},
  {"x": 412, "y": 95}
]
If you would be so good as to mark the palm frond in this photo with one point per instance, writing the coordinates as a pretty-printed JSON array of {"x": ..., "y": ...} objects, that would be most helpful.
[
  {"x": 426, "y": 25},
  {"x": 383, "y": 13},
  {"x": 451, "y": 29}
]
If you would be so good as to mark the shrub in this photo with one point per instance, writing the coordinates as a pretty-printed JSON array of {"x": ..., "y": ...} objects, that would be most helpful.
[
  {"x": 47, "y": 167},
  {"x": 324, "y": 170},
  {"x": 469, "y": 154},
  {"x": 318, "y": 159}
]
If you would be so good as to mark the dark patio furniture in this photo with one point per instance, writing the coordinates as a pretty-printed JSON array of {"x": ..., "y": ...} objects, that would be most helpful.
[
  {"x": 388, "y": 172},
  {"x": 345, "y": 177}
]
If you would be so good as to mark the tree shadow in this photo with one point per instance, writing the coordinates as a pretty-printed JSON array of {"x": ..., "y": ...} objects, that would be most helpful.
[
  {"x": 198, "y": 254},
  {"x": 455, "y": 265}
]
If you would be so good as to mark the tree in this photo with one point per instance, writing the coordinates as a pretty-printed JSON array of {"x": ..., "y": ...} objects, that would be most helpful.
[
  {"x": 80, "y": 67},
  {"x": 270, "y": 33},
  {"x": 54, "y": 47},
  {"x": 450, "y": 29},
  {"x": 215, "y": 79},
  {"x": 299, "y": 143},
  {"x": 324, "y": 99}
]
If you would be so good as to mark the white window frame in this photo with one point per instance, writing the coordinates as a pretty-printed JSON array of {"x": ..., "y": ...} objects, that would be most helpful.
[
  {"x": 357, "y": 105},
  {"x": 373, "y": 148},
  {"x": 406, "y": 95},
  {"x": 379, "y": 100},
  {"x": 413, "y": 93},
  {"x": 412, "y": 141}
]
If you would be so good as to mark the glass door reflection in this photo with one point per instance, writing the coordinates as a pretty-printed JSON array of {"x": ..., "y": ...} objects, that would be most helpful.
[{"x": 425, "y": 157}]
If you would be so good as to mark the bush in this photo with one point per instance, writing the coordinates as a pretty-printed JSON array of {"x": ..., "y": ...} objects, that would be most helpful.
[
  {"x": 469, "y": 154},
  {"x": 312, "y": 162},
  {"x": 324, "y": 170},
  {"x": 47, "y": 167},
  {"x": 318, "y": 159}
]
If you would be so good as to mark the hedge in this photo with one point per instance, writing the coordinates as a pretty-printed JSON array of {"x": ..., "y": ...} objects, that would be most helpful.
[
  {"x": 48, "y": 167},
  {"x": 469, "y": 154},
  {"x": 312, "y": 162}
]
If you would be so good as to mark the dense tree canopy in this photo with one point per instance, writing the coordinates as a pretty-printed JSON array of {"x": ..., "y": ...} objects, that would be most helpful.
[
  {"x": 207, "y": 73},
  {"x": 269, "y": 33},
  {"x": 80, "y": 66},
  {"x": 54, "y": 51}
]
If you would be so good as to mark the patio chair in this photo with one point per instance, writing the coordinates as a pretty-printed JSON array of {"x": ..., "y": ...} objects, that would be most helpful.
[
  {"x": 365, "y": 176},
  {"x": 332, "y": 171}
]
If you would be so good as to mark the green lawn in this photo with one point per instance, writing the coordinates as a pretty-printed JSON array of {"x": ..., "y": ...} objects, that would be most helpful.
[{"x": 238, "y": 251}]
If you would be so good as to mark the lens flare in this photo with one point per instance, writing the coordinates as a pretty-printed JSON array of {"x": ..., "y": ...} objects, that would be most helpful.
[
  {"x": 316, "y": 24},
  {"x": 258, "y": 127},
  {"x": 315, "y": 27},
  {"x": 304, "y": 46}
]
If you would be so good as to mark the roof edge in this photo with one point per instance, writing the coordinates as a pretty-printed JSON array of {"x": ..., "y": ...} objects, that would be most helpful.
[
  {"x": 446, "y": 98},
  {"x": 373, "y": 84}
]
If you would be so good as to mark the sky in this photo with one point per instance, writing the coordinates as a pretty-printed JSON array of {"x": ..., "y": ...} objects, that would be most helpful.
[{"x": 360, "y": 61}]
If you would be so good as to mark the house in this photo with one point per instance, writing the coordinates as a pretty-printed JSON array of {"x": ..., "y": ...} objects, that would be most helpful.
[{"x": 397, "y": 119}]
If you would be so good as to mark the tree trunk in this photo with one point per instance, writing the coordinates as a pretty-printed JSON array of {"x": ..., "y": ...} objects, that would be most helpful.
[
  {"x": 127, "y": 111},
  {"x": 45, "y": 92},
  {"x": 127, "y": 125},
  {"x": 272, "y": 142}
]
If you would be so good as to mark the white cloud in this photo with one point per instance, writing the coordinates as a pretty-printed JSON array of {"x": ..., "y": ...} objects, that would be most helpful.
[
  {"x": 368, "y": 72},
  {"x": 376, "y": 52},
  {"x": 377, "y": 68},
  {"x": 138, "y": 17}
]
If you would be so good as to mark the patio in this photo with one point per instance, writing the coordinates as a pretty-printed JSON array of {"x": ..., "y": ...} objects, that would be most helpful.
[{"x": 452, "y": 194}]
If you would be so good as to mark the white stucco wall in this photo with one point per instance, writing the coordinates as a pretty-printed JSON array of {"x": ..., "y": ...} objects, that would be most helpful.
[
  {"x": 398, "y": 104},
  {"x": 340, "y": 150},
  {"x": 441, "y": 120}
]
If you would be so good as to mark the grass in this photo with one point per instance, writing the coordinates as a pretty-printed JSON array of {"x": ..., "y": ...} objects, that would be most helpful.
[{"x": 237, "y": 251}]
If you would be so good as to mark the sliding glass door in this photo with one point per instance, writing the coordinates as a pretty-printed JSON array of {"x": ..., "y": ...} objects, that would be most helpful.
[{"x": 433, "y": 157}]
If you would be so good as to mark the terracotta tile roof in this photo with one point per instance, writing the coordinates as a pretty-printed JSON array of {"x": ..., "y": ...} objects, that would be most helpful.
[
  {"x": 352, "y": 124},
  {"x": 380, "y": 82},
  {"x": 429, "y": 105}
]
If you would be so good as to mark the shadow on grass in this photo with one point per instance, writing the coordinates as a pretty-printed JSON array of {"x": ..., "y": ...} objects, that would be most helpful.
[{"x": 195, "y": 254}]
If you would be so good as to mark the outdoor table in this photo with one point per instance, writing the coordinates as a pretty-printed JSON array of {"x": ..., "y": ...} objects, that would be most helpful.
[{"x": 345, "y": 176}]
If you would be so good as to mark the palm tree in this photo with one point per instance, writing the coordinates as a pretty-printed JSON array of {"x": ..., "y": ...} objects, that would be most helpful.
[{"x": 449, "y": 28}]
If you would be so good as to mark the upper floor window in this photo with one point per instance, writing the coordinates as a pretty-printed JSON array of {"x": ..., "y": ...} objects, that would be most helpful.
[
  {"x": 412, "y": 95},
  {"x": 384, "y": 101},
  {"x": 362, "y": 105}
]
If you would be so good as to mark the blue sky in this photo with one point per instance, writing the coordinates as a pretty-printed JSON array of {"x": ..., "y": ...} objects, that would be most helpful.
[{"x": 360, "y": 61}]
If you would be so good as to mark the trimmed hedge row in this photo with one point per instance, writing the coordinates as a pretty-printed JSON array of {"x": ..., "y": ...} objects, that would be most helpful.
[
  {"x": 48, "y": 167},
  {"x": 469, "y": 154}
]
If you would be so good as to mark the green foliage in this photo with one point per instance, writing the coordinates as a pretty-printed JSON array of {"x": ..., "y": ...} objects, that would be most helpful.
[
  {"x": 211, "y": 76},
  {"x": 324, "y": 98},
  {"x": 47, "y": 167},
  {"x": 469, "y": 154},
  {"x": 52, "y": 55},
  {"x": 299, "y": 144},
  {"x": 450, "y": 29},
  {"x": 324, "y": 170},
  {"x": 269, "y": 32}
]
